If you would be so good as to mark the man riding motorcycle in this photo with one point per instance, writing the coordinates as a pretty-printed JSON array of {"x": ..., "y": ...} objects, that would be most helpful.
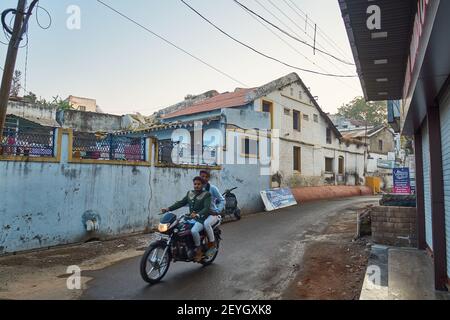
[
  {"x": 217, "y": 206},
  {"x": 199, "y": 201}
]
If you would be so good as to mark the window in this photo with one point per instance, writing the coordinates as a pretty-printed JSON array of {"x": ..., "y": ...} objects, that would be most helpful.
[
  {"x": 316, "y": 118},
  {"x": 380, "y": 145},
  {"x": 300, "y": 95},
  {"x": 297, "y": 159},
  {"x": 306, "y": 117},
  {"x": 329, "y": 141},
  {"x": 287, "y": 112},
  {"x": 329, "y": 165},
  {"x": 250, "y": 147},
  {"x": 82, "y": 108},
  {"x": 341, "y": 165},
  {"x": 292, "y": 92},
  {"x": 296, "y": 120},
  {"x": 268, "y": 107}
]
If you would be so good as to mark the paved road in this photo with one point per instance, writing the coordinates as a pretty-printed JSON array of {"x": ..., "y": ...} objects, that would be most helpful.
[{"x": 259, "y": 257}]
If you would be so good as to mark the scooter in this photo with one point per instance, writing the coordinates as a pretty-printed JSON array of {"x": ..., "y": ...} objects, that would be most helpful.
[{"x": 231, "y": 205}]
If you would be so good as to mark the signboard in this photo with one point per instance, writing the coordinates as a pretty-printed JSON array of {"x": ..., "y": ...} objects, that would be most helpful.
[
  {"x": 386, "y": 164},
  {"x": 278, "y": 198},
  {"x": 402, "y": 183}
]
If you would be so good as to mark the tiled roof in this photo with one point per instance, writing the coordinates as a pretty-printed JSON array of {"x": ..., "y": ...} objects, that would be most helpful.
[
  {"x": 170, "y": 125},
  {"x": 224, "y": 100}
]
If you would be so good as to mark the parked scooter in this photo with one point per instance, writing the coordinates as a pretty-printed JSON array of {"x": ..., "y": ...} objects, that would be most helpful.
[{"x": 231, "y": 205}]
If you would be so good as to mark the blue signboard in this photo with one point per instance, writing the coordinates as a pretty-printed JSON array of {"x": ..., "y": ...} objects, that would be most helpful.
[
  {"x": 402, "y": 181},
  {"x": 278, "y": 198}
]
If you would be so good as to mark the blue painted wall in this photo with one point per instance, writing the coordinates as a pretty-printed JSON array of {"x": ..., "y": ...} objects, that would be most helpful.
[{"x": 45, "y": 204}]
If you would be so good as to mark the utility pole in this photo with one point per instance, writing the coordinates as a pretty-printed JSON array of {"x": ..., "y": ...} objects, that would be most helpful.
[{"x": 10, "y": 62}]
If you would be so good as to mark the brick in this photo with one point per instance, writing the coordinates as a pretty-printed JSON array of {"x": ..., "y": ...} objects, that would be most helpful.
[{"x": 402, "y": 226}]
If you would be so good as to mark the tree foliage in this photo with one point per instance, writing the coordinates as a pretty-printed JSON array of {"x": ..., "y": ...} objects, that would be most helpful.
[
  {"x": 16, "y": 84},
  {"x": 57, "y": 102},
  {"x": 375, "y": 113}
]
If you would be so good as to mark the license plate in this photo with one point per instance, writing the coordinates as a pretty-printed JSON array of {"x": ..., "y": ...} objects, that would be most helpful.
[{"x": 160, "y": 237}]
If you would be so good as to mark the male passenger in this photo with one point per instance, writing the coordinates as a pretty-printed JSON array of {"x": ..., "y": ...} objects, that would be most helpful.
[{"x": 217, "y": 206}]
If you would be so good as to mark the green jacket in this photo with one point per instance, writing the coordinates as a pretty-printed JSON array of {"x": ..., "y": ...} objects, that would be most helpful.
[{"x": 199, "y": 203}]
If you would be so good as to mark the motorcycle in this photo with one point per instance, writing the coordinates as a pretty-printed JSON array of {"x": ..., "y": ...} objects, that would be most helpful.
[
  {"x": 174, "y": 243},
  {"x": 231, "y": 205}
]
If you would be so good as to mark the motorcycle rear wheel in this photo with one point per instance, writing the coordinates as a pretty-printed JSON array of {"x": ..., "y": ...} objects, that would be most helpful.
[
  {"x": 150, "y": 260},
  {"x": 207, "y": 262}
]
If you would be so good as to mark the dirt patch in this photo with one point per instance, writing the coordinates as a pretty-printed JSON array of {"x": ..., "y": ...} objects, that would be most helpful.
[
  {"x": 43, "y": 274},
  {"x": 333, "y": 265}
]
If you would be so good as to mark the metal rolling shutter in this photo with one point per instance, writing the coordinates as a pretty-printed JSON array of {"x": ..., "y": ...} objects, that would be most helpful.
[
  {"x": 427, "y": 186},
  {"x": 445, "y": 133}
]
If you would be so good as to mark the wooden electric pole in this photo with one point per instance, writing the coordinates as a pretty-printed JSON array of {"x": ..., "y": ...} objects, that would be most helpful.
[{"x": 10, "y": 63}]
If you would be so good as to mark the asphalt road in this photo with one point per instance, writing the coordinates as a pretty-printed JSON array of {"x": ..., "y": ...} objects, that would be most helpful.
[{"x": 258, "y": 258}]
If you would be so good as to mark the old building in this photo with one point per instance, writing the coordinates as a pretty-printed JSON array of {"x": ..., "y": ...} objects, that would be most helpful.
[
  {"x": 381, "y": 146},
  {"x": 309, "y": 150},
  {"x": 82, "y": 104}
]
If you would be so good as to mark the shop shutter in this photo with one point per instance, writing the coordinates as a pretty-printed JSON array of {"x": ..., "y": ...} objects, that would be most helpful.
[
  {"x": 427, "y": 186},
  {"x": 445, "y": 134}
]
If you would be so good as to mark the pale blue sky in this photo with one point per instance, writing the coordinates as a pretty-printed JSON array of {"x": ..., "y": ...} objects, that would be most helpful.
[{"x": 128, "y": 70}]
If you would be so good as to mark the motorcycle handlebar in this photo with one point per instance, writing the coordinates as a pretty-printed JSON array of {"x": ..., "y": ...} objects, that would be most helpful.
[{"x": 229, "y": 190}]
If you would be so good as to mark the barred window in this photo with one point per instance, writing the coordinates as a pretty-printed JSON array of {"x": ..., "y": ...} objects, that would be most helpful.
[
  {"x": 108, "y": 147},
  {"x": 27, "y": 141}
]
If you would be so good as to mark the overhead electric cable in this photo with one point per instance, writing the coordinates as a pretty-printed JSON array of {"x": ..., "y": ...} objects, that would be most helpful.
[
  {"x": 292, "y": 36},
  {"x": 169, "y": 42},
  {"x": 261, "y": 53}
]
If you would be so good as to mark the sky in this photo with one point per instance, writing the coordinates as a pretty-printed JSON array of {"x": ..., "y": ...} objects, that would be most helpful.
[{"x": 128, "y": 70}]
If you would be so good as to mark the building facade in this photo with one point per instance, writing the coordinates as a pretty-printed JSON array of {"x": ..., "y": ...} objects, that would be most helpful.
[
  {"x": 82, "y": 104},
  {"x": 309, "y": 150}
]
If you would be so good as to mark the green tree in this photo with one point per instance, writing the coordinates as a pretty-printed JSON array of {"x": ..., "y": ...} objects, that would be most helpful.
[
  {"x": 375, "y": 113},
  {"x": 61, "y": 104}
]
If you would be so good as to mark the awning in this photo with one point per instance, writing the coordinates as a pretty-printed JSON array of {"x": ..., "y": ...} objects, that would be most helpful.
[{"x": 381, "y": 55}]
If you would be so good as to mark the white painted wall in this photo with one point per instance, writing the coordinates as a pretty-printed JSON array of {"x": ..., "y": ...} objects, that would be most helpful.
[{"x": 311, "y": 139}]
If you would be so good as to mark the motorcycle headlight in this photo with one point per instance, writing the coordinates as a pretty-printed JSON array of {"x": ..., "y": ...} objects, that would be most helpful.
[{"x": 163, "y": 227}]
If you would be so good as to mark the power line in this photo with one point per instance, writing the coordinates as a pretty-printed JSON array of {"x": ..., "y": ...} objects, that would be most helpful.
[
  {"x": 320, "y": 31},
  {"x": 170, "y": 43},
  {"x": 26, "y": 67},
  {"x": 292, "y": 36},
  {"x": 293, "y": 48},
  {"x": 261, "y": 53},
  {"x": 336, "y": 66},
  {"x": 272, "y": 14}
]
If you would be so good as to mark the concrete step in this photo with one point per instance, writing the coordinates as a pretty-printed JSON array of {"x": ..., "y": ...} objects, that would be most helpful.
[{"x": 400, "y": 274}]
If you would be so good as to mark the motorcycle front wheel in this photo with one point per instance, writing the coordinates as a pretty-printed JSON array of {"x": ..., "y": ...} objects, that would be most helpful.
[{"x": 155, "y": 262}]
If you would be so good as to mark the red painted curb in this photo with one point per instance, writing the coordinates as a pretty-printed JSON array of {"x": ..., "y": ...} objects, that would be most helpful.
[{"x": 306, "y": 194}]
